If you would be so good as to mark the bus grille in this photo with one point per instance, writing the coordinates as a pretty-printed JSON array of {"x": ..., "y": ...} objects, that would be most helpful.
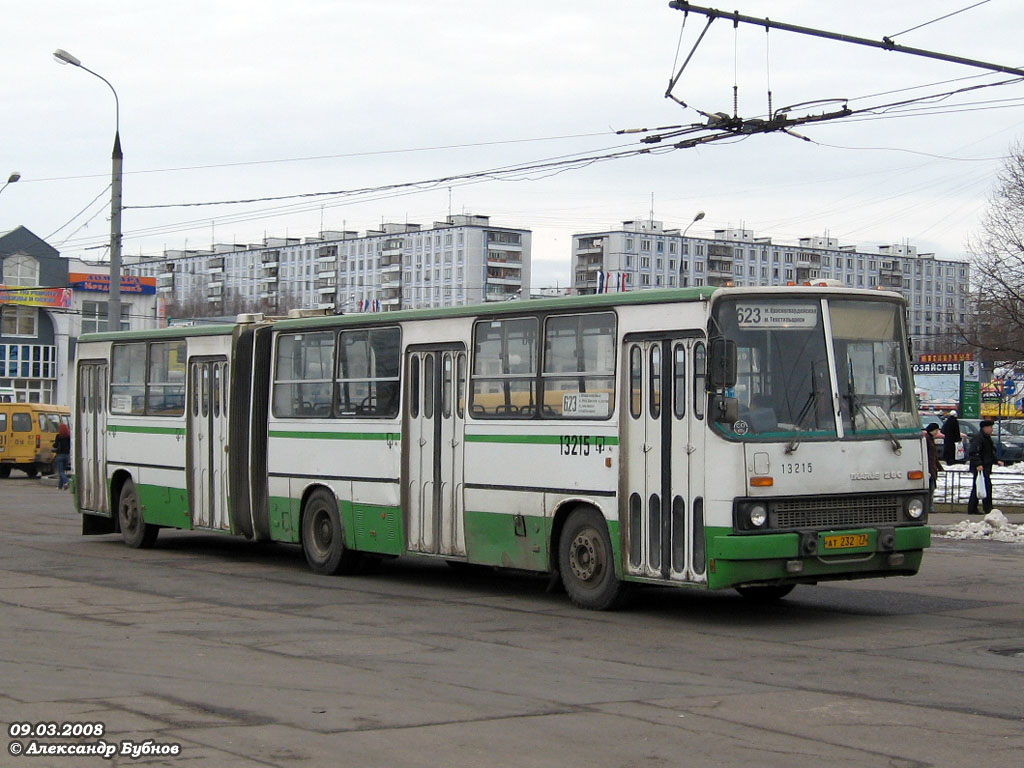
[{"x": 837, "y": 511}]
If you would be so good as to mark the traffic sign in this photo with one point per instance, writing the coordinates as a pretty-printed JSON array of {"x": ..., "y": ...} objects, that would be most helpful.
[{"x": 1009, "y": 387}]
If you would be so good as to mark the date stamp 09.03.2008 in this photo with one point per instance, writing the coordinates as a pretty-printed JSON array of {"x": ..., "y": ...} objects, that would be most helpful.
[{"x": 80, "y": 739}]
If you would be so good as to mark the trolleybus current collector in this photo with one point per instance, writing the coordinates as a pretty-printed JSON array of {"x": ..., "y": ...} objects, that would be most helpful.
[{"x": 707, "y": 438}]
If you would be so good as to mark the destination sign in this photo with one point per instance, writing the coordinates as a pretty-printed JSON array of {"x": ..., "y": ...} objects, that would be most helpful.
[{"x": 774, "y": 316}]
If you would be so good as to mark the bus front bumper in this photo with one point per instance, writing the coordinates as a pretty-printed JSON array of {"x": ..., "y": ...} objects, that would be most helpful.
[{"x": 812, "y": 556}]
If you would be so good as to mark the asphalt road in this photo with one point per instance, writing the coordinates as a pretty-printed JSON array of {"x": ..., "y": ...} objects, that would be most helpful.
[{"x": 240, "y": 655}]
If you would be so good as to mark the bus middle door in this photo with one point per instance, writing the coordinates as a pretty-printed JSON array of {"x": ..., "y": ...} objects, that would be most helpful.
[
  {"x": 208, "y": 443},
  {"x": 433, "y": 465}
]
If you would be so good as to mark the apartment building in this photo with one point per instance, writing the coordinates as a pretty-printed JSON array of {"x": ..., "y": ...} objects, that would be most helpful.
[
  {"x": 462, "y": 260},
  {"x": 643, "y": 254}
]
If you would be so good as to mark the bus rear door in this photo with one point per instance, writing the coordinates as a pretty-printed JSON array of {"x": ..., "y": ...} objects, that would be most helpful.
[{"x": 91, "y": 438}]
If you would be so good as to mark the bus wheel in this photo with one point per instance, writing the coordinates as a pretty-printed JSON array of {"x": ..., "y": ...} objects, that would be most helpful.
[
  {"x": 586, "y": 564},
  {"x": 5, "y": 470},
  {"x": 323, "y": 540},
  {"x": 136, "y": 533},
  {"x": 766, "y": 594},
  {"x": 30, "y": 471}
]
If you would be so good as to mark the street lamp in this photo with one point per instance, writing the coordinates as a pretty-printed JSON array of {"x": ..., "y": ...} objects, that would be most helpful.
[
  {"x": 698, "y": 217},
  {"x": 682, "y": 262},
  {"x": 11, "y": 179},
  {"x": 114, "y": 300}
]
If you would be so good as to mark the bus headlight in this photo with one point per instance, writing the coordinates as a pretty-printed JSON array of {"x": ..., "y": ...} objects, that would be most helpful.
[
  {"x": 915, "y": 508},
  {"x": 757, "y": 515}
]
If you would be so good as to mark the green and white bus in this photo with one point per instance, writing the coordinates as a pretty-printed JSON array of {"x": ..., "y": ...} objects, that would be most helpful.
[{"x": 705, "y": 438}]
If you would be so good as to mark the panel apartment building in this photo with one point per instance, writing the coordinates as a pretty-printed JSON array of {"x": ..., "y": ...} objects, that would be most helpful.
[
  {"x": 462, "y": 260},
  {"x": 642, "y": 254}
]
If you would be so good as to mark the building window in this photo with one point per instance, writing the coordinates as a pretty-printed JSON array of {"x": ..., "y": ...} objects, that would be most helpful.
[
  {"x": 19, "y": 321},
  {"x": 20, "y": 269}
]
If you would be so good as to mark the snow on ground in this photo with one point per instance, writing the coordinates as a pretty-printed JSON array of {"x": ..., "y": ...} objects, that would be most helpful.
[{"x": 993, "y": 527}]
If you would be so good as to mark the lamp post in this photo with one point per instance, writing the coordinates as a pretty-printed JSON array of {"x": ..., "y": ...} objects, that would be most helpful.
[
  {"x": 696, "y": 218},
  {"x": 11, "y": 179},
  {"x": 114, "y": 300}
]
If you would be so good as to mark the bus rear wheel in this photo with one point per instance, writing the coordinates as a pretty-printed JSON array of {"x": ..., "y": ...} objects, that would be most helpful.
[
  {"x": 5, "y": 470},
  {"x": 323, "y": 539},
  {"x": 136, "y": 532},
  {"x": 586, "y": 562},
  {"x": 766, "y": 594}
]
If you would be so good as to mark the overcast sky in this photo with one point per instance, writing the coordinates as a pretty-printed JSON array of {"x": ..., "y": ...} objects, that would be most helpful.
[{"x": 230, "y": 100}]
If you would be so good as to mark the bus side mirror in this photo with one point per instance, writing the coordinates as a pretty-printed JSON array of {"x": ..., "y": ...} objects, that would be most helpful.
[{"x": 723, "y": 364}]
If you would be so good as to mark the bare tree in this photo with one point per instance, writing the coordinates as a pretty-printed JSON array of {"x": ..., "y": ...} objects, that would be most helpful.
[{"x": 997, "y": 324}]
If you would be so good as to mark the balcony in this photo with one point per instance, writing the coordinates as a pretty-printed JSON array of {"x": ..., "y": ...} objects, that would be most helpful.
[
  {"x": 720, "y": 267},
  {"x": 495, "y": 261},
  {"x": 388, "y": 279},
  {"x": 590, "y": 263}
]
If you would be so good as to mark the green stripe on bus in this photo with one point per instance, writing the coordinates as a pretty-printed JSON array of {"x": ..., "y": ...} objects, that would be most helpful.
[
  {"x": 145, "y": 430},
  {"x": 392, "y": 436},
  {"x": 534, "y": 439}
]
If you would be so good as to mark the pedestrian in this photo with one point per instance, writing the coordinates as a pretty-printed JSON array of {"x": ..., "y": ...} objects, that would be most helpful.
[
  {"x": 62, "y": 447},
  {"x": 931, "y": 432},
  {"x": 951, "y": 438},
  {"x": 981, "y": 456}
]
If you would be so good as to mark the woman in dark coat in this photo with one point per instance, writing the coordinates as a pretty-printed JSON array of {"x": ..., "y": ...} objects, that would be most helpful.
[{"x": 951, "y": 436}]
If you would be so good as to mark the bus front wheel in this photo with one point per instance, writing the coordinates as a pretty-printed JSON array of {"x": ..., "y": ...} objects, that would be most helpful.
[
  {"x": 136, "y": 532},
  {"x": 586, "y": 562},
  {"x": 323, "y": 540}
]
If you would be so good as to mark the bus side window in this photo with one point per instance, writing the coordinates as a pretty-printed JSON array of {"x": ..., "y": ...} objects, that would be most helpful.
[
  {"x": 635, "y": 381},
  {"x": 414, "y": 386},
  {"x": 679, "y": 381},
  {"x": 699, "y": 377}
]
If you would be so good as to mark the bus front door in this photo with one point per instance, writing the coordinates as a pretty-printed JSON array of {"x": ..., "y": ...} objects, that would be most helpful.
[
  {"x": 208, "y": 443},
  {"x": 658, "y": 496},
  {"x": 435, "y": 419},
  {"x": 91, "y": 439}
]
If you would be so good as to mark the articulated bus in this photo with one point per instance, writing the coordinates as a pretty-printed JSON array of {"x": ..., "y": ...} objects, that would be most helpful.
[{"x": 706, "y": 438}]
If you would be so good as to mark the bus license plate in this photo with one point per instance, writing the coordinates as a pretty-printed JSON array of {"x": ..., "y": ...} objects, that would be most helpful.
[{"x": 846, "y": 541}]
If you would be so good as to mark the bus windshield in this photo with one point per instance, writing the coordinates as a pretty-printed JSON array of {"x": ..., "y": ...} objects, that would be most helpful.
[{"x": 784, "y": 385}]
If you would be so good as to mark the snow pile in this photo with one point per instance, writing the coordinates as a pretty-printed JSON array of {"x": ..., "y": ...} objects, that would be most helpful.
[{"x": 993, "y": 527}]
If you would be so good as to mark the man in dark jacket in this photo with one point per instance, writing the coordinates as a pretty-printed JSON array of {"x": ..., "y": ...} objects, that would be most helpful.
[
  {"x": 981, "y": 455},
  {"x": 930, "y": 433},
  {"x": 951, "y": 436}
]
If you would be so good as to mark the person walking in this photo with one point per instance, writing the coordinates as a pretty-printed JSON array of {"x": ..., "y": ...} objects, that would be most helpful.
[
  {"x": 62, "y": 447},
  {"x": 981, "y": 456},
  {"x": 951, "y": 437},
  {"x": 931, "y": 432}
]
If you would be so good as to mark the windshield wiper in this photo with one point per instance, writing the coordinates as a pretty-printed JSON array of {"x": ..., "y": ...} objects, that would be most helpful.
[
  {"x": 856, "y": 405},
  {"x": 809, "y": 407}
]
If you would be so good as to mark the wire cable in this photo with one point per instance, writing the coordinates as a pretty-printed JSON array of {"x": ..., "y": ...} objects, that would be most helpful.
[
  {"x": 87, "y": 206},
  {"x": 948, "y": 15}
]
